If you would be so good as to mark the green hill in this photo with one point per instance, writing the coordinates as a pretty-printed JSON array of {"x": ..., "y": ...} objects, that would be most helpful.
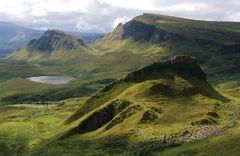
[
  {"x": 54, "y": 45},
  {"x": 154, "y": 108}
]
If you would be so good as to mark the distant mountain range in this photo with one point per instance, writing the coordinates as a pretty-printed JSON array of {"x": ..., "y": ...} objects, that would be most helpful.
[{"x": 13, "y": 36}]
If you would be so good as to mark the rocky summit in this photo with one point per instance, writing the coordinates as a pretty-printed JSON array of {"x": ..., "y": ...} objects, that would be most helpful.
[
  {"x": 182, "y": 65},
  {"x": 55, "y": 40}
]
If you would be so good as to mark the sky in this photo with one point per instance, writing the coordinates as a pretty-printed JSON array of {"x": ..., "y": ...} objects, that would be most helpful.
[{"x": 104, "y": 15}]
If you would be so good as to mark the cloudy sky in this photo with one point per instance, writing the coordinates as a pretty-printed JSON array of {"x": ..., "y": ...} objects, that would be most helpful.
[{"x": 104, "y": 15}]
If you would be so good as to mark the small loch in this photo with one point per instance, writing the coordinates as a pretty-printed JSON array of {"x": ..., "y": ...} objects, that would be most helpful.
[{"x": 51, "y": 79}]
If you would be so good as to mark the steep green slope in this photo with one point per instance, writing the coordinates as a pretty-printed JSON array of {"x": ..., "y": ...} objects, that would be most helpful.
[
  {"x": 154, "y": 108},
  {"x": 26, "y": 125}
]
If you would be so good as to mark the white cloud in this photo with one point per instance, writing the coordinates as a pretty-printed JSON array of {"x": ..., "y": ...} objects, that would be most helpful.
[
  {"x": 103, "y": 15},
  {"x": 184, "y": 7},
  {"x": 131, "y": 4},
  {"x": 233, "y": 17},
  {"x": 85, "y": 26},
  {"x": 120, "y": 20},
  {"x": 41, "y": 28},
  {"x": 38, "y": 12}
]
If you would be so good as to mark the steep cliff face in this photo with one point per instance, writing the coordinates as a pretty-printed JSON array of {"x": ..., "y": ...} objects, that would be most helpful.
[
  {"x": 55, "y": 40},
  {"x": 141, "y": 31},
  {"x": 181, "y": 65},
  {"x": 117, "y": 33},
  {"x": 156, "y": 29}
]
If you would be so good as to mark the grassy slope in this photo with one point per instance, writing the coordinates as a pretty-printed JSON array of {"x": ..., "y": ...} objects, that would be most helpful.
[
  {"x": 220, "y": 66},
  {"x": 19, "y": 90},
  {"x": 33, "y": 56},
  {"x": 23, "y": 126},
  {"x": 150, "y": 117}
]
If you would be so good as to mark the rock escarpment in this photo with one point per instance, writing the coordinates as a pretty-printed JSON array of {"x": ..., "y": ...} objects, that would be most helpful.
[
  {"x": 140, "y": 31},
  {"x": 181, "y": 65},
  {"x": 117, "y": 33}
]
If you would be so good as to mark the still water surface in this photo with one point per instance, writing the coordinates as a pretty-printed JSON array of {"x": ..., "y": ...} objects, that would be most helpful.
[{"x": 51, "y": 79}]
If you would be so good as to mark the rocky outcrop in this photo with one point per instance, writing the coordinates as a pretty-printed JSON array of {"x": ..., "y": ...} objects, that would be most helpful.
[
  {"x": 117, "y": 32},
  {"x": 55, "y": 40},
  {"x": 213, "y": 114},
  {"x": 140, "y": 31},
  {"x": 101, "y": 117},
  {"x": 181, "y": 65}
]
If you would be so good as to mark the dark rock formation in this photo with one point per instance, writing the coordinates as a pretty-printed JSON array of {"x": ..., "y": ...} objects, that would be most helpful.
[
  {"x": 213, "y": 114},
  {"x": 55, "y": 40},
  {"x": 205, "y": 121},
  {"x": 101, "y": 117},
  {"x": 96, "y": 120},
  {"x": 141, "y": 31},
  {"x": 181, "y": 65}
]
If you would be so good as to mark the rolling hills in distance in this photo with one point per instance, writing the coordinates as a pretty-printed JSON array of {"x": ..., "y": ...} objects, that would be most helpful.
[{"x": 156, "y": 85}]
